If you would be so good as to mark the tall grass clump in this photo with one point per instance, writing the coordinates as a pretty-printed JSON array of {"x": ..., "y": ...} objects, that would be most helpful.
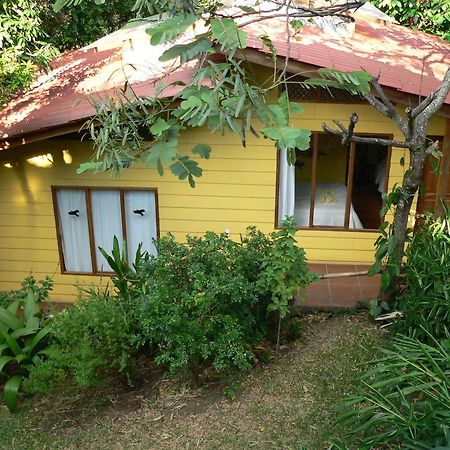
[
  {"x": 425, "y": 304},
  {"x": 405, "y": 398}
]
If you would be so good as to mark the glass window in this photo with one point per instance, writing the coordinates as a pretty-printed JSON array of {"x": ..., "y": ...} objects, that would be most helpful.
[
  {"x": 74, "y": 230},
  {"x": 90, "y": 218},
  {"x": 336, "y": 186}
]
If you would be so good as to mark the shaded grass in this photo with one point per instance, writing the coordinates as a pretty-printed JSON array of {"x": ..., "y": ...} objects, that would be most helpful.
[{"x": 282, "y": 405}]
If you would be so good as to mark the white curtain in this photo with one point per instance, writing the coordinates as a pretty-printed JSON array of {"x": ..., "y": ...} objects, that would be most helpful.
[
  {"x": 140, "y": 213},
  {"x": 286, "y": 188},
  {"x": 107, "y": 223},
  {"x": 74, "y": 230}
]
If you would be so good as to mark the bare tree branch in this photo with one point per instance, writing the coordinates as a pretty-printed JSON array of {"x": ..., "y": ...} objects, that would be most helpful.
[
  {"x": 389, "y": 108},
  {"x": 413, "y": 113},
  {"x": 297, "y": 11},
  {"x": 439, "y": 99},
  {"x": 288, "y": 36},
  {"x": 347, "y": 135},
  {"x": 432, "y": 148}
]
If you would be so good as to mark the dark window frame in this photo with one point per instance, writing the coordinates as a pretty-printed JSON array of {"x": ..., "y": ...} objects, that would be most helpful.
[
  {"x": 87, "y": 190},
  {"x": 314, "y": 142}
]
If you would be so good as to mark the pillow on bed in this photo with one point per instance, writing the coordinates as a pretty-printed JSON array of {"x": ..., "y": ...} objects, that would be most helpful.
[{"x": 326, "y": 197}]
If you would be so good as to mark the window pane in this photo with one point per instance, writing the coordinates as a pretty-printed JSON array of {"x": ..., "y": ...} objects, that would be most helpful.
[
  {"x": 331, "y": 186},
  {"x": 107, "y": 222},
  {"x": 74, "y": 230},
  {"x": 140, "y": 213},
  {"x": 303, "y": 172},
  {"x": 369, "y": 180}
]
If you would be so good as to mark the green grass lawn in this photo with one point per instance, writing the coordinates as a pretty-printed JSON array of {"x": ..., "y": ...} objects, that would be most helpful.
[{"x": 279, "y": 406}]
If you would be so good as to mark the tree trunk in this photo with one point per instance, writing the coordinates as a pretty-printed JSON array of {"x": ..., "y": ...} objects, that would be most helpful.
[{"x": 410, "y": 185}]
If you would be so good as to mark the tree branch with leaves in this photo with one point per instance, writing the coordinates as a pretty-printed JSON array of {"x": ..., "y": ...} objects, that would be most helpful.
[{"x": 223, "y": 94}]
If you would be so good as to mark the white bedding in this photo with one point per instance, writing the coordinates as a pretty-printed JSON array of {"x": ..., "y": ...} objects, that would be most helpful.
[{"x": 329, "y": 206}]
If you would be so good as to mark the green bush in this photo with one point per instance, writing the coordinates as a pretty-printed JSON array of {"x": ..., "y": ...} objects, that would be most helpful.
[
  {"x": 207, "y": 302},
  {"x": 426, "y": 302},
  {"x": 405, "y": 398},
  {"x": 92, "y": 340},
  {"x": 211, "y": 300},
  {"x": 23, "y": 335}
]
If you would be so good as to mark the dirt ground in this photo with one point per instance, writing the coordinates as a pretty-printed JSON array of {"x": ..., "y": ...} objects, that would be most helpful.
[{"x": 281, "y": 405}]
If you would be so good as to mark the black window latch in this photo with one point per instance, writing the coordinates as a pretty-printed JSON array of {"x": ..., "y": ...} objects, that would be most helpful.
[
  {"x": 75, "y": 212},
  {"x": 139, "y": 211}
]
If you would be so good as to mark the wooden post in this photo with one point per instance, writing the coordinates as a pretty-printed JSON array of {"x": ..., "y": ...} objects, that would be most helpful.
[{"x": 444, "y": 172}]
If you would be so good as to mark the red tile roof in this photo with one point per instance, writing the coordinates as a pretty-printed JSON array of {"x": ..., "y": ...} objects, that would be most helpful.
[{"x": 406, "y": 60}]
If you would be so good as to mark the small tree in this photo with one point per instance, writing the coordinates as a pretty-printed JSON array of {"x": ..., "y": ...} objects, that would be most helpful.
[{"x": 413, "y": 126}]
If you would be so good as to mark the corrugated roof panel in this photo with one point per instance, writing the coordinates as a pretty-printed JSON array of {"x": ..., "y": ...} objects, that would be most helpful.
[{"x": 406, "y": 60}]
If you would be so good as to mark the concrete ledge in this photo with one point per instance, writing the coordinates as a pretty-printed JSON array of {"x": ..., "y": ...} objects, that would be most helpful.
[{"x": 345, "y": 292}]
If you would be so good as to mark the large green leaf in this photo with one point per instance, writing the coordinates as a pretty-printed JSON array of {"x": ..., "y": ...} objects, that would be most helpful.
[
  {"x": 188, "y": 51},
  {"x": 202, "y": 150},
  {"x": 186, "y": 168},
  {"x": 278, "y": 115},
  {"x": 165, "y": 152},
  {"x": 10, "y": 320},
  {"x": 357, "y": 82},
  {"x": 14, "y": 306},
  {"x": 385, "y": 280},
  {"x": 3, "y": 346},
  {"x": 5, "y": 360},
  {"x": 22, "y": 357},
  {"x": 169, "y": 29},
  {"x": 227, "y": 33},
  {"x": 38, "y": 338},
  {"x": 11, "y": 391},
  {"x": 31, "y": 308},
  {"x": 287, "y": 137},
  {"x": 159, "y": 127},
  {"x": 23, "y": 332},
  {"x": 92, "y": 165},
  {"x": 12, "y": 343}
]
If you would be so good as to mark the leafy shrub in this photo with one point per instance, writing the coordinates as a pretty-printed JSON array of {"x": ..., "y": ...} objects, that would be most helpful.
[
  {"x": 426, "y": 301},
  {"x": 429, "y": 16},
  {"x": 4, "y": 299},
  {"x": 23, "y": 335},
  {"x": 405, "y": 399},
  {"x": 92, "y": 339},
  {"x": 206, "y": 302},
  {"x": 210, "y": 300}
]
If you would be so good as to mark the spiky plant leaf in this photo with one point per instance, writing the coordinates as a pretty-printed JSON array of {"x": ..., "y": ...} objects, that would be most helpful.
[{"x": 11, "y": 391}]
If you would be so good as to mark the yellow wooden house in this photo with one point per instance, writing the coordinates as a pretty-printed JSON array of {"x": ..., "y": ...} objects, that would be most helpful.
[{"x": 52, "y": 220}]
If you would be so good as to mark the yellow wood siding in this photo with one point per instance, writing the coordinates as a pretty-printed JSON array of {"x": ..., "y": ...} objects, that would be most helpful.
[{"x": 237, "y": 190}]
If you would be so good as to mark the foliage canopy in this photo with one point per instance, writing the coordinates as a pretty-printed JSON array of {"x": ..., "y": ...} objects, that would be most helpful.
[
  {"x": 32, "y": 33},
  {"x": 431, "y": 16}
]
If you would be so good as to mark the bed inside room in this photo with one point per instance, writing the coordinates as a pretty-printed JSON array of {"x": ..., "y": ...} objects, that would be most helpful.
[{"x": 339, "y": 187}]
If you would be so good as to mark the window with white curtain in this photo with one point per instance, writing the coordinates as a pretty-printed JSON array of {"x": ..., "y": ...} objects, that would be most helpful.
[
  {"x": 90, "y": 218},
  {"x": 334, "y": 186}
]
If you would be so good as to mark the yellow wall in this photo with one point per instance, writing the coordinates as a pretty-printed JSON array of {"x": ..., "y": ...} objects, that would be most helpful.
[{"x": 236, "y": 190}]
